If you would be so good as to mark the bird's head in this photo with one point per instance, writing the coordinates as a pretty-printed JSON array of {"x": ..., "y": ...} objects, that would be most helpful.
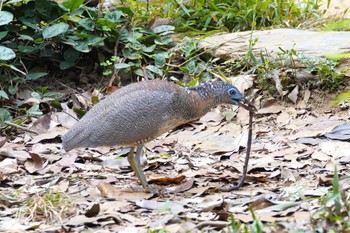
[
  {"x": 219, "y": 92},
  {"x": 236, "y": 98}
]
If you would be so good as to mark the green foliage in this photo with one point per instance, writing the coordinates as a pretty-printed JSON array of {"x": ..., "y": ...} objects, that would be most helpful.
[
  {"x": 236, "y": 227},
  {"x": 47, "y": 206},
  {"x": 344, "y": 96},
  {"x": 46, "y": 33},
  {"x": 322, "y": 71},
  {"x": 5, "y": 115},
  {"x": 39, "y": 36},
  {"x": 330, "y": 79},
  {"x": 340, "y": 25},
  {"x": 334, "y": 214},
  {"x": 240, "y": 15}
]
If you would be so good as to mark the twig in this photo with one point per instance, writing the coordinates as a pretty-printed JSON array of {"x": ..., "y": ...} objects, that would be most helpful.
[
  {"x": 20, "y": 127},
  {"x": 246, "y": 161},
  {"x": 115, "y": 74}
]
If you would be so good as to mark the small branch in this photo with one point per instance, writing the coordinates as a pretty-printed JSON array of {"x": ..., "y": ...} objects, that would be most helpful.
[{"x": 20, "y": 127}]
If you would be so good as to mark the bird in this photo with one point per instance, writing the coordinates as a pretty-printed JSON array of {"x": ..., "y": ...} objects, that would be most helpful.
[{"x": 140, "y": 112}]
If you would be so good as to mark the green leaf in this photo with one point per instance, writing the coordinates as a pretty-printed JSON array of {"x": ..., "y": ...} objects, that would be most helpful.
[
  {"x": 26, "y": 49},
  {"x": 193, "y": 83},
  {"x": 191, "y": 66},
  {"x": 55, "y": 30},
  {"x": 126, "y": 10},
  {"x": 16, "y": 69},
  {"x": 95, "y": 40},
  {"x": 139, "y": 72},
  {"x": 71, "y": 55},
  {"x": 66, "y": 64},
  {"x": 79, "y": 111},
  {"x": 34, "y": 111},
  {"x": 56, "y": 104},
  {"x": 5, "y": 115},
  {"x": 94, "y": 99},
  {"x": 183, "y": 7},
  {"x": 155, "y": 70},
  {"x": 36, "y": 95},
  {"x": 73, "y": 4},
  {"x": 3, "y": 95},
  {"x": 35, "y": 76},
  {"x": 26, "y": 37},
  {"x": 3, "y": 34},
  {"x": 164, "y": 28},
  {"x": 159, "y": 60},
  {"x": 114, "y": 16},
  {"x": 106, "y": 23},
  {"x": 87, "y": 24},
  {"x": 123, "y": 65},
  {"x": 11, "y": 90},
  {"x": 82, "y": 46},
  {"x": 6, "y": 53},
  {"x": 163, "y": 41},
  {"x": 149, "y": 49},
  {"x": 5, "y": 17}
]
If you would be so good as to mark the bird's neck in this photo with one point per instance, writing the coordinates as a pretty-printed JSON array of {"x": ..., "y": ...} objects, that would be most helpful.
[{"x": 205, "y": 97}]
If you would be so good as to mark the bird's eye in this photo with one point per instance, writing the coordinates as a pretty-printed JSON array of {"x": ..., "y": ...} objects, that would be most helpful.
[{"x": 232, "y": 92}]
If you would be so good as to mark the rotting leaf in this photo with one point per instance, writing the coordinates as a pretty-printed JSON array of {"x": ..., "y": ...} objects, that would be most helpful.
[{"x": 93, "y": 211}]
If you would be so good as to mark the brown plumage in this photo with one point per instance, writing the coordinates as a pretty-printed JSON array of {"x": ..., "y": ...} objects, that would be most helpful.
[{"x": 140, "y": 112}]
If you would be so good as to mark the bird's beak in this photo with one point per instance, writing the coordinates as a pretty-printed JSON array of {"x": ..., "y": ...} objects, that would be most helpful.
[{"x": 247, "y": 104}]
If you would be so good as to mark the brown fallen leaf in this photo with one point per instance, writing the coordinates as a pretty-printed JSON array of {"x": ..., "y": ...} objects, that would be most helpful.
[
  {"x": 167, "y": 180},
  {"x": 2, "y": 141},
  {"x": 243, "y": 82},
  {"x": 293, "y": 96},
  {"x": 34, "y": 164},
  {"x": 276, "y": 108},
  {"x": 182, "y": 187},
  {"x": 8, "y": 166},
  {"x": 212, "y": 116},
  {"x": 209, "y": 204},
  {"x": 20, "y": 155},
  {"x": 110, "y": 191},
  {"x": 42, "y": 124}
]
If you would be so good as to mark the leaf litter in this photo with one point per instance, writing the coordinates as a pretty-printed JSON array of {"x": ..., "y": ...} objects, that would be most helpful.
[{"x": 294, "y": 153}]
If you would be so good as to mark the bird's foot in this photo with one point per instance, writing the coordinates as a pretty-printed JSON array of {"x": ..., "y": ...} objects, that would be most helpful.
[{"x": 154, "y": 189}]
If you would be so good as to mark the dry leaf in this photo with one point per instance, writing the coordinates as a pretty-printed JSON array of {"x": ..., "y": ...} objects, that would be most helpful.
[
  {"x": 293, "y": 96},
  {"x": 242, "y": 82},
  {"x": 166, "y": 180},
  {"x": 93, "y": 211}
]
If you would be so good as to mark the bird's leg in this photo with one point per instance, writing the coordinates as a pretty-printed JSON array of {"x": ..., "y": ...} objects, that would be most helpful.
[
  {"x": 134, "y": 162},
  {"x": 138, "y": 155}
]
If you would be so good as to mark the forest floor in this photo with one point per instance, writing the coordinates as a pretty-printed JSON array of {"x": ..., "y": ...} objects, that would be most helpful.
[
  {"x": 295, "y": 151},
  {"x": 294, "y": 154}
]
